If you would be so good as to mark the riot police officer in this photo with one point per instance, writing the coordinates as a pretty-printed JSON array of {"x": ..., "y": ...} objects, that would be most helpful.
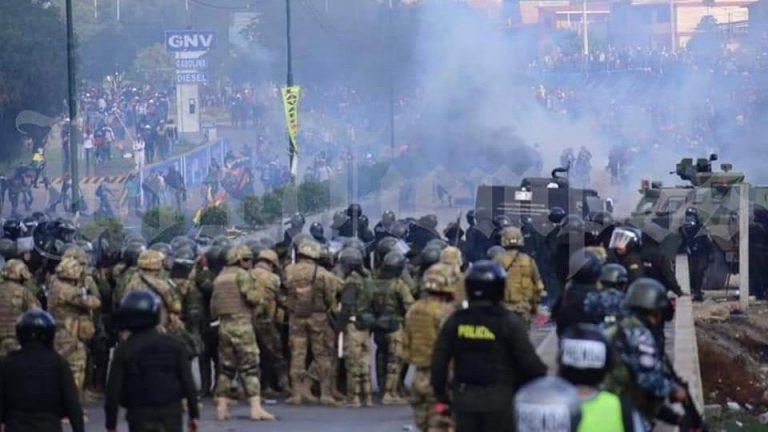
[
  {"x": 569, "y": 309},
  {"x": 605, "y": 306},
  {"x": 150, "y": 372},
  {"x": 317, "y": 231},
  {"x": 36, "y": 385},
  {"x": 698, "y": 248},
  {"x": 548, "y": 404},
  {"x": 491, "y": 354},
  {"x": 626, "y": 247},
  {"x": 381, "y": 229},
  {"x": 295, "y": 226}
]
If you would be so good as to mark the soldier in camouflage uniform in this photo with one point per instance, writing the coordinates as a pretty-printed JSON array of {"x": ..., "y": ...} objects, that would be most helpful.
[
  {"x": 390, "y": 299},
  {"x": 148, "y": 278},
  {"x": 452, "y": 260},
  {"x": 235, "y": 297},
  {"x": 123, "y": 271},
  {"x": 524, "y": 286},
  {"x": 264, "y": 273},
  {"x": 311, "y": 296},
  {"x": 72, "y": 307},
  {"x": 15, "y": 299},
  {"x": 356, "y": 319},
  {"x": 182, "y": 276},
  {"x": 422, "y": 325}
]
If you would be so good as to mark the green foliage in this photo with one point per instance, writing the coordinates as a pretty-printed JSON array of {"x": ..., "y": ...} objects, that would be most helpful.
[
  {"x": 272, "y": 206},
  {"x": 313, "y": 197},
  {"x": 250, "y": 208},
  {"x": 32, "y": 68},
  {"x": 214, "y": 216},
  {"x": 112, "y": 227},
  {"x": 153, "y": 64},
  {"x": 162, "y": 224}
]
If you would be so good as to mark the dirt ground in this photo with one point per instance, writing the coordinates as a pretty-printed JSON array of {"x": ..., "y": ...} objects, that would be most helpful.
[{"x": 733, "y": 355}]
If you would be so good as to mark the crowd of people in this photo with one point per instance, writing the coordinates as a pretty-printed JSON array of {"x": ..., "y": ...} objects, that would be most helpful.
[{"x": 300, "y": 318}]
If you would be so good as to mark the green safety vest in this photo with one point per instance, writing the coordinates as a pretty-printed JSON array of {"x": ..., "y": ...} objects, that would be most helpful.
[{"x": 603, "y": 413}]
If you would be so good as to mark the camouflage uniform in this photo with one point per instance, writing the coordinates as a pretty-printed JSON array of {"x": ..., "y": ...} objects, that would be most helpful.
[
  {"x": 235, "y": 296},
  {"x": 148, "y": 278},
  {"x": 422, "y": 325},
  {"x": 390, "y": 299},
  {"x": 267, "y": 333},
  {"x": 15, "y": 299},
  {"x": 524, "y": 287},
  {"x": 72, "y": 307},
  {"x": 357, "y": 340},
  {"x": 191, "y": 310},
  {"x": 311, "y": 296}
]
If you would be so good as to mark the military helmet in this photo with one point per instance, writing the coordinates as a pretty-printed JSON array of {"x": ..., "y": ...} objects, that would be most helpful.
[
  {"x": 584, "y": 356},
  {"x": 548, "y": 404},
  {"x": 316, "y": 230},
  {"x": 256, "y": 246},
  {"x": 614, "y": 275},
  {"x": 394, "y": 263},
  {"x": 35, "y": 325},
  {"x": 238, "y": 254},
  {"x": 485, "y": 280},
  {"x": 556, "y": 215},
  {"x": 495, "y": 251},
  {"x": 388, "y": 218},
  {"x": 138, "y": 310},
  {"x": 384, "y": 246},
  {"x": 69, "y": 269},
  {"x": 399, "y": 229},
  {"x": 451, "y": 256},
  {"x": 309, "y": 249},
  {"x": 437, "y": 280},
  {"x": 428, "y": 221},
  {"x": 512, "y": 237},
  {"x": 584, "y": 267},
  {"x": 269, "y": 256},
  {"x": 646, "y": 294},
  {"x": 76, "y": 252},
  {"x": 131, "y": 252},
  {"x": 350, "y": 259},
  {"x": 151, "y": 260},
  {"x": 16, "y": 270},
  {"x": 8, "y": 248},
  {"x": 163, "y": 248},
  {"x": 184, "y": 255},
  {"x": 436, "y": 243},
  {"x": 428, "y": 256}
]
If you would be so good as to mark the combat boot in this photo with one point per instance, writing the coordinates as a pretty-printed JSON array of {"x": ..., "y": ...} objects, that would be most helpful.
[
  {"x": 257, "y": 412},
  {"x": 353, "y": 402},
  {"x": 392, "y": 399},
  {"x": 326, "y": 394},
  {"x": 222, "y": 408}
]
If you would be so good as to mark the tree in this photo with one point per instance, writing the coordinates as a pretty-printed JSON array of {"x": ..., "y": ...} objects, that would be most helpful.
[
  {"x": 154, "y": 65},
  {"x": 33, "y": 68}
]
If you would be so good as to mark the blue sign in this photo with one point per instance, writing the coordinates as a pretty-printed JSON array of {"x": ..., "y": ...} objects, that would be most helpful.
[
  {"x": 191, "y": 77},
  {"x": 188, "y": 40}
]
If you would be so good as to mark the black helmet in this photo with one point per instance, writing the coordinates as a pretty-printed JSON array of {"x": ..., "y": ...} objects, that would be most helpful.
[
  {"x": 501, "y": 221},
  {"x": 131, "y": 252},
  {"x": 399, "y": 229},
  {"x": 363, "y": 222},
  {"x": 485, "y": 280},
  {"x": 436, "y": 243},
  {"x": 647, "y": 295},
  {"x": 29, "y": 222},
  {"x": 388, "y": 218},
  {"x": 183, "y": 262},
  {"x": 317, "y": 231},
  {"x": 36, "y": 325},
  {"x": 297, "y": 220},
  {"x": 471, "y": 217},
  {"x": 138, "y": 310},
  {"x": 212, "y": 257},
  {"x": 429, "y": 256},
  {"x": 183, "y": 241},
  {"x": 584, "y": 356},
  {"x": 12, "y": 229},
  {"x": 584, "y": 267},
  {"x": 614, "y": 276},
  {"x": 163, "y": 248},
  {"x": 556, "y": 215},
  {"x": 354, "y": 210},
  {"x": 7, "y": 248},
  {"x": 393, "y": 264},
  {"x": 350, "y": 259},
  {"x": 66, "y": 230},
  {"x": 626, "y": 239}
]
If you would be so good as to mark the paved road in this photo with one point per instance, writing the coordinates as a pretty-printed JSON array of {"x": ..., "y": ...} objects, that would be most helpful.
[{"x": 293, "y": 419}]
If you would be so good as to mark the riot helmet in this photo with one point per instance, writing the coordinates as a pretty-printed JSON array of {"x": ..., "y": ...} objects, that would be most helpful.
[
  {"x": 625, "y": 240},
  {"x": 317, "y": 231},
  {"x": 646, "y": 295},
  {"x": 471, "y": 218},
  {"x": 547, "y": 404},
  {"x": 584, "y": 356},
  {"x": 485, "y": 280},
  {"x": 501, "y": 221},
  {"x": 35, "y": 325},
  {"x": 388, "y": 218},
  {"x": 139, "y": 310},
  {"x": 393, "y": 264},
  {"x": 495, "y": 251},
  {"x": 428, "y": 256},
  {"x": 350, "y": 260},
  {"x": 130, "y": 253},
  {"x": 354, "y": 210},
  {"x": 436, "y": 243},
  {"x": 614, "y": 276},
  {"x": 556, "y": 215}
]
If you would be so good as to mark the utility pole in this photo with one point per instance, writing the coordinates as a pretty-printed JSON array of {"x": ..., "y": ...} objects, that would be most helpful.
[
  {"x": 391, "y": 81},
  {"x": 95, "y": 9},
  {"x": 672, "y": 31},
  {"x": 72, "y": 99},
  {"x": 117, "y": 15},
  {"x": 585, "y": 29},
  {"x": 293, "y": 161}
]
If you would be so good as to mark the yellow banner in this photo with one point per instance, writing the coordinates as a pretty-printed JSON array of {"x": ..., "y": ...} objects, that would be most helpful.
[{"x": 291, "y": 105}]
